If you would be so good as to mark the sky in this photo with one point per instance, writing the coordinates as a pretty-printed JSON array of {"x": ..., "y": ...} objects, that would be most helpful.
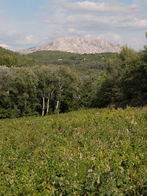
[{"x": 28, "y": 23}]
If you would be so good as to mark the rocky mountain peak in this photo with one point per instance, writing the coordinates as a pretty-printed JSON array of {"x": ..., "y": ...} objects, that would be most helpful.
[{"x": 76, "y": 45}]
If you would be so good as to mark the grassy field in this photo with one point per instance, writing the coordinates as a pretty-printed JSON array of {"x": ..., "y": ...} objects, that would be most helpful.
[{"x": 89, "y": 152}]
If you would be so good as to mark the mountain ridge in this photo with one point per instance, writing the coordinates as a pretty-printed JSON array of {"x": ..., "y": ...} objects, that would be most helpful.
[{"x": 76, "y": 45}]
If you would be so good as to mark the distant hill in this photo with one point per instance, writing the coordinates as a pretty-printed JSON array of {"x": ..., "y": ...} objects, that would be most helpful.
[
  {"x": 11, "y": 58},
  {"x": 77, "y": 61},
  {"x": 76, "y": 45},
  {"x": 55, "y": 58}
]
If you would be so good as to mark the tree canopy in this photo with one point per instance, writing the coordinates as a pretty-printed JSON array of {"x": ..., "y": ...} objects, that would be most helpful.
[{"x": 29, "y": 88}]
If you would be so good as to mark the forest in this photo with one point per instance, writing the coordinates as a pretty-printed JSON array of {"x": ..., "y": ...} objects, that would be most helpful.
[{"x": 44, "y": 82}]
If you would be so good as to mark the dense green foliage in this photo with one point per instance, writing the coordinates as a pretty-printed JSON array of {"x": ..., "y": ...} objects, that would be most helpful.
[
  {"x": 91, "y": 152},
  {"x": 79, "y": 62},
  {"x": 126, "y": 80},
  {"x": 37, "y": 90},
  {"x": 10, "y": 58},
  {"x": 85, "y": 81}
]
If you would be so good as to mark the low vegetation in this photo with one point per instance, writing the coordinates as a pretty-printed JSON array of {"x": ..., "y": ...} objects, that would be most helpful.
[{"x": 89, "y": 152}]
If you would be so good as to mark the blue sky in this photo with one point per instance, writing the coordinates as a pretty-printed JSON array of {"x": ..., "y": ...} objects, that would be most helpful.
[{"x": 27, "y": 23}]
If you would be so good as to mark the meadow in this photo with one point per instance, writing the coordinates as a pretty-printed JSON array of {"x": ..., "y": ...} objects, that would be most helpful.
[{"x": 87, "y": 152}]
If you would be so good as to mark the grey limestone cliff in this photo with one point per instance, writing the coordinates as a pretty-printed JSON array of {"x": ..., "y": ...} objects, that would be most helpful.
[{"x": 76, "y": 45}]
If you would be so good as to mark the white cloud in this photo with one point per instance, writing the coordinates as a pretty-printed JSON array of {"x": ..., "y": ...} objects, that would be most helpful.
[
  {"x": 13, "y": 39},
  {"x": 111, "y": 14},
  {"x": 109, "y": 6},
  {"x": 121, "y": 20},
  {"x": 27, "y": 39},
  {"x": 111, "y": 37}
]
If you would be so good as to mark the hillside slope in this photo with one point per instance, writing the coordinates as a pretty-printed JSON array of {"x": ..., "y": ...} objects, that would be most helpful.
[
  {"x": 54, "y": 58},
  {"x": 91, "y": 152},
  {"x": 78, "y": 61},
  {"x": 10, "y": 58}
]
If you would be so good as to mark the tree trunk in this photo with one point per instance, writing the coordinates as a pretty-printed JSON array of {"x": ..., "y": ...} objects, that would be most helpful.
[
  {"x": 48, "y": 106},
  {"x": 43, "y": 106},
  {"x": 57, "y": 107}
]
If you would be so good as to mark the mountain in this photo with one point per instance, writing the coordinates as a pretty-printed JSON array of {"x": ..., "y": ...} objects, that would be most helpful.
[{"x": 76, "y": 45}]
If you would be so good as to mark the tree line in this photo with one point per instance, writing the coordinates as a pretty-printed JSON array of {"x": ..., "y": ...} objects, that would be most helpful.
[
  {"x": 126, "y": 80},
  {"x": 43, "y": 90}
]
